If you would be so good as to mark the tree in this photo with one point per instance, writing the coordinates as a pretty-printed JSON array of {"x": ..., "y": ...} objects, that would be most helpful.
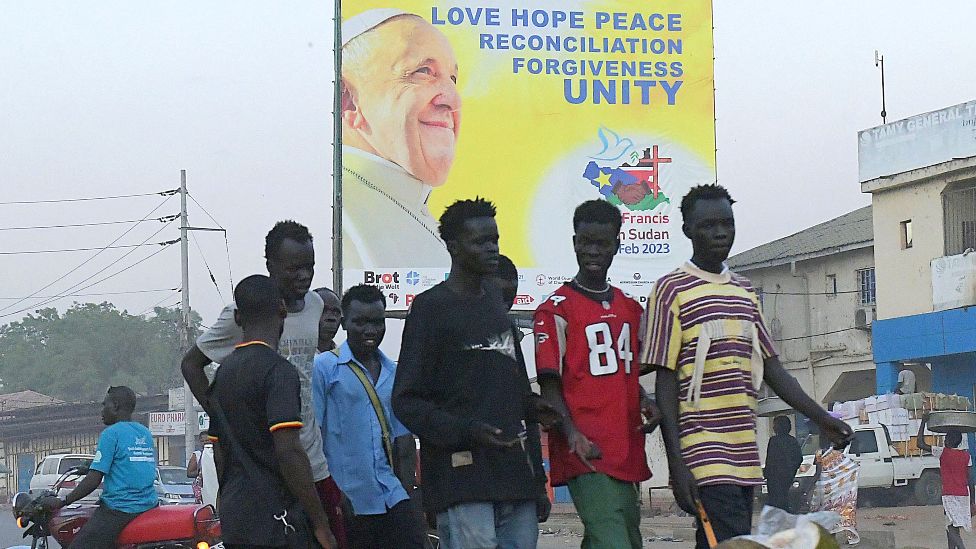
[{"x": 77, "y": 355}]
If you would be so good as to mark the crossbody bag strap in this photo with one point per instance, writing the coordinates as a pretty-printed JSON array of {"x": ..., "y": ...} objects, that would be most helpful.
[{"x": 374, "y": 399}]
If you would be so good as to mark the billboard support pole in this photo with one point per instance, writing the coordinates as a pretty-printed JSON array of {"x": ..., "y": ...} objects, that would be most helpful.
[{"x": 337, "y": 156}]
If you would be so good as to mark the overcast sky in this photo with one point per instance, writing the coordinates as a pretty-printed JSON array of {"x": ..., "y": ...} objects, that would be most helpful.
[{"x": 111, "y": 97}]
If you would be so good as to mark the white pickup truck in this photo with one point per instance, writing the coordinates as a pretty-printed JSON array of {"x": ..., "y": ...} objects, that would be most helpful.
[{"x": 882, "y": 468}]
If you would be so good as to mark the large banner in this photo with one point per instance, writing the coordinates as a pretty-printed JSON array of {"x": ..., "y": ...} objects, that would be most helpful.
[{"x": 535, "y": 105}]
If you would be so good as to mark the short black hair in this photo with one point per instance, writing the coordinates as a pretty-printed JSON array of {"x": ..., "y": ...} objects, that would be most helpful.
[
  {"x": 712, "y": 191},
  {"x": 453, "y": 218},
  {"x": 782, "y": 425},
  {"x": 124, "y": 398},
  {"x": 597, "y": 211},
  {"x": 282, "y": 231},
  {"x": 257, "y": 297},
  {"x": 323, "y": 289},
  {"x": 953, "y": 438},
  {"x": 363, "y": 293},
  {"x": 506, "y": 269}
]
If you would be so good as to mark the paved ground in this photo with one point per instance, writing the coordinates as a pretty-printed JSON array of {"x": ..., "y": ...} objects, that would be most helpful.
[{"x": 914, "y": 528}]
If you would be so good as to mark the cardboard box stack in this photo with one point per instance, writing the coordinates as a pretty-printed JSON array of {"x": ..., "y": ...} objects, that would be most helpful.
[{"x": 902, "y": 415}]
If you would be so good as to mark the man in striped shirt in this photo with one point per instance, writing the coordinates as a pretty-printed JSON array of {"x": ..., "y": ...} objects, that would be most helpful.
[{"x": 708, "y": 342}]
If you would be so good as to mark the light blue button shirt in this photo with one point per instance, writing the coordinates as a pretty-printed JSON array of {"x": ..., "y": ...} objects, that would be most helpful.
[{"x": 351, "y": 432}]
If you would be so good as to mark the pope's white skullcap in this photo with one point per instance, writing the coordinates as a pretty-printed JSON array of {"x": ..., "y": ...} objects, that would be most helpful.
[{"x": 368, "y": 20}]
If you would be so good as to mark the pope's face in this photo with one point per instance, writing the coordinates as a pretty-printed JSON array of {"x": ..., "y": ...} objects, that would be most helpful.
[{"x": 407, "y": 108}]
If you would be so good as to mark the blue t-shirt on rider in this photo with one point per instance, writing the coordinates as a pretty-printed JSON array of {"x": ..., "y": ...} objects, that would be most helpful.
[{"x": 127, "y": 458}]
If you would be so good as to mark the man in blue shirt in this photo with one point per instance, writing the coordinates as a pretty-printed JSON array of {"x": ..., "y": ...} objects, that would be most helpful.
[
  {"x": 352, "y": 387},
  {"x": 126, "y": 461}
]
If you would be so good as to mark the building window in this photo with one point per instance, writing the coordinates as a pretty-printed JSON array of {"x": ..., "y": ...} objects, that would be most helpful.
[
  {"x": 959, "y": 216},
  {"x": 867, "y": 292},
  {"x": 832, "y": 285},
  {"x": 906, "y": 234}
]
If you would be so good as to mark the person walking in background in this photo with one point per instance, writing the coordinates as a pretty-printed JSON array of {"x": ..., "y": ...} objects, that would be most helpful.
[
  {"x": 958, "y": 495},
  {"x": 783, "y": 459},
  {"x": 352, "y": 386},
  {"x": 460, "y": 389},
  {"x": 194, "y": 468},
  {"x": 267, "y": 494},
  {"x": 586, "y": 337},
  {"x": 709, "y": 344}
]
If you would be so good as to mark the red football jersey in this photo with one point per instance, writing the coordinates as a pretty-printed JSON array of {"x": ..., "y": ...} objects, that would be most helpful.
[{"x": 595, "y": 350}]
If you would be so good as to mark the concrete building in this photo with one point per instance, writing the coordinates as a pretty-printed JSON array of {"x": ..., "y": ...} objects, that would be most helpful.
[
  {"x": 921, "y": 174},
  {"x": 817, "y": 292},
  {"x": 818, "y": 297}
]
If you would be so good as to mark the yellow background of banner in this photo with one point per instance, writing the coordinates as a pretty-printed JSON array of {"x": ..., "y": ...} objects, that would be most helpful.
[{"x": 515, "y": 127}]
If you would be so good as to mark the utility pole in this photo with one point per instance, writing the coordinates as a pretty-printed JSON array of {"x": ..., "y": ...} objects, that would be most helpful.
[{"x": 190, "y": 414}]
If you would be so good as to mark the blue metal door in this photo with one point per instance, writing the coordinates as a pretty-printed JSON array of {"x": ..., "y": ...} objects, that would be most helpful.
[{"x": 25, "y": 470}]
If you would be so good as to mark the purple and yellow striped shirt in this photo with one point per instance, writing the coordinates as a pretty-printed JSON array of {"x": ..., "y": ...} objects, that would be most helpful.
[{"x": 718, "y": 435}]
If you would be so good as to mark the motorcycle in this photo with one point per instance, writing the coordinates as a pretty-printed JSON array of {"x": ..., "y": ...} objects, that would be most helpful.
[{"x": 163, "y": 527}]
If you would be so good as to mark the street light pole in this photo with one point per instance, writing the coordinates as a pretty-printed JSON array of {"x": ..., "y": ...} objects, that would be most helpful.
[{"x": 879, "y": 62}]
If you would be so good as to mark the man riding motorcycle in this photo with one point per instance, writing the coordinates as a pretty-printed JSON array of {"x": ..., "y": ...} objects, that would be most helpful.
[{"x": 126, "y": 461}]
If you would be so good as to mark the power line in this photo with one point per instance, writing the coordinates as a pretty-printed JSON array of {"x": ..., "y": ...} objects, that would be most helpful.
[
  {"x": 230, "y": 273},
  {"x": 90, "y": 198},
  {"x": 817, "y": 335},
  {"x": 209, "y": 271},
  {"x": 46, "y": 302},
  {"x": 205, "y": 210},
  {"x": 812, "y": 293},
  {"x": 120, "y": 246},
  {"x": 93, "y": 256},
  {"x": 100, "y": 293},
  {"x": 167, "y": 298},
  {"x": 94, "y": 224},
  {"x": 74, "y": 288}
]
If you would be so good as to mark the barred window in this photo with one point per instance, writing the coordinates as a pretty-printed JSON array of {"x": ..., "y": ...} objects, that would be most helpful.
[
  {"x": 867, "y": 292},
  {"x": 959, "y": 213}
]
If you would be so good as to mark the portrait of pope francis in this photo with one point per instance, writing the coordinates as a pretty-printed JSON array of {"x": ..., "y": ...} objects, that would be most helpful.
[{"x": 400, "y": 116}]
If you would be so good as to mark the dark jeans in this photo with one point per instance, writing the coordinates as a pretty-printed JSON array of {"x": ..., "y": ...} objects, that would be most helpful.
[
  {"x": 778, "y": 487},
  {"x": 729, "y": 507},
  {"x": 101, "y": 531},
  {"x": 399, "y": 528}
]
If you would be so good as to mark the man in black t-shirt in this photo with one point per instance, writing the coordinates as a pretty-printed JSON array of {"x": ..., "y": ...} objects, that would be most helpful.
[
  {"x": 460, "y": 388},
  {"x": 267, "y": 497}
]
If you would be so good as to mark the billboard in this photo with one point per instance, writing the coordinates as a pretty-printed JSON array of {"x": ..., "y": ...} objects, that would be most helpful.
[
  {"x": 916, "y": 142},
  {"x": 536, "y": 106}
]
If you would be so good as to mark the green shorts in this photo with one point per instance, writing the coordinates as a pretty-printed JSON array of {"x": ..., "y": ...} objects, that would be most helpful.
[{"x": 609, "y": 509}]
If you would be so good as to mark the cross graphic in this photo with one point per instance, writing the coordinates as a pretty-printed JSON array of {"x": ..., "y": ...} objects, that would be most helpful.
[{"x": 648, "y": 169}]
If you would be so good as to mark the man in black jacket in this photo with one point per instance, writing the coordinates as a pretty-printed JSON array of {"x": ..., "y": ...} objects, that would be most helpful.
[
  {"x": 460, "y": 388},
  {"x": 783, "y": 458}
]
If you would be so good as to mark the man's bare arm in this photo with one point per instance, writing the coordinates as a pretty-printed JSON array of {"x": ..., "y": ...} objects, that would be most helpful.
[
  {"x": 192, "y": 366},
  {"x": 85, "y": 487}
]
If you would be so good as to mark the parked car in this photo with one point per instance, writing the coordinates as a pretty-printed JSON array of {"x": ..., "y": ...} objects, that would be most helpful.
[
  {"x": 53, "y": 466},
  {"x": 173, "y": 486}
]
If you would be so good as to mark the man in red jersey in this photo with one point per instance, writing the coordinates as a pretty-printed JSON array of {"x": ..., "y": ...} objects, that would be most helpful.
[{"x": 586, "y": 340}]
